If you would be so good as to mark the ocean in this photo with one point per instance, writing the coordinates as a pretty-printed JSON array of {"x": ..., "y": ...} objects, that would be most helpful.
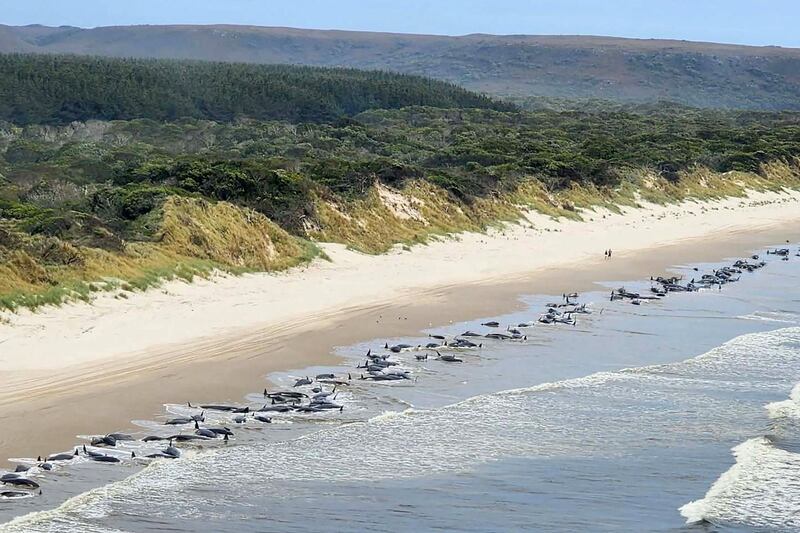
[{"x": 675, "y": 415}]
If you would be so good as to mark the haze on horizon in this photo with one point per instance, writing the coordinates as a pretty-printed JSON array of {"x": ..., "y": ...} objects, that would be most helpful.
[{"x": 725, "y": 21}]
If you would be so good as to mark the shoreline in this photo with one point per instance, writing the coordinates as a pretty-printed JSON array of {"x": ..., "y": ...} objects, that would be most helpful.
[{"x": 84, "y": 379}]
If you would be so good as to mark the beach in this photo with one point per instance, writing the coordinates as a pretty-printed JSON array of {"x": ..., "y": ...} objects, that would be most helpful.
[{"x": 92, "y": 368}]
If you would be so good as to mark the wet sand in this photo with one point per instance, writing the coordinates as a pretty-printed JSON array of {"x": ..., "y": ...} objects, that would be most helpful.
[{"x": 43, "y": 411}]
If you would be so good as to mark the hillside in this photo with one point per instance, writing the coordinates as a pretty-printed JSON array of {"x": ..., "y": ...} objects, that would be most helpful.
[
  {"x": 48, "y": 89},
  {"x": 124, "y": 204},
  {"x": 624, "y": 70}
]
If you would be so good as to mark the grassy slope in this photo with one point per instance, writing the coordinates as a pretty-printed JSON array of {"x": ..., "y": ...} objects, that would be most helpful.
[
  {"x": 196, "y": 236},
  {"x": 370, "y": 225}
]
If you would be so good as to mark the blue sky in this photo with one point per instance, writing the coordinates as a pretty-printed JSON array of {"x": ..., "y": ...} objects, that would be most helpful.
[{"x": 758, "y": 22}]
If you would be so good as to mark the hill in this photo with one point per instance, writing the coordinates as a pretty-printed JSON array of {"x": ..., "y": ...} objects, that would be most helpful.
[
  {"x": 624, "y": 70},
  {"x": 50, "y": 89},
  {"x": 128, "y": 203}
]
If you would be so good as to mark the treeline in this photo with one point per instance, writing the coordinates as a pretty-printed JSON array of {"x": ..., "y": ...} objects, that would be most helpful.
[
  {"x": 74, "y": 181},
  {"x": 61, "y": 89}
]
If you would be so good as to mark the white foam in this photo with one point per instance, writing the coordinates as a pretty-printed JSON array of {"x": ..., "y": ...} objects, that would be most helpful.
[
  {"x": 787, "y": 408},
  {"x": 591, "y": 416},
  {"x": 388, "y": 415},
  {"x": 784, "y": 317},
  {"x": 761, "y": 490}
]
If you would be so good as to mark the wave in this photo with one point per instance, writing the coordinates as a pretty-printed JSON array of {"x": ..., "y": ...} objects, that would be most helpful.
[
  {"x": 762, "y": 490},
  {"x": 600, "y": 415},
  {"x": 787, "y": 408},
  {"x": 785, "y": 317}
]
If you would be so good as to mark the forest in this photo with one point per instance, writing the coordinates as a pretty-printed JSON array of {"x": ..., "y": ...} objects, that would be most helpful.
[
  {"x": 61, "y": 89},
  {"x": 119, "y": 171},
  {"x": 99, "y": 198}
]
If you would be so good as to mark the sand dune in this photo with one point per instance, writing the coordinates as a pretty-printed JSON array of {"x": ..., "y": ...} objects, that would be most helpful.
[
  {"x": 223, "y": 334},
  {"x": 181, "y": 313}
]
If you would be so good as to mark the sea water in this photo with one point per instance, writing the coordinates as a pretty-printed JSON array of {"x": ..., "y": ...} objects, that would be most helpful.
[{"x": 676, "y": 415}]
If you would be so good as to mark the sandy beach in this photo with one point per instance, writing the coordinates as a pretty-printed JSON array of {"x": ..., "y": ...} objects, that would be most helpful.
[{"x": 91, "y": 368}]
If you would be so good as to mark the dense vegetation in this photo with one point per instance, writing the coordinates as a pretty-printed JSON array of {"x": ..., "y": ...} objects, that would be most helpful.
[
  {"x": 575, "y": 67},
  {"x": 115, "y": 174},
  {"x": 128, "y": 202},
  {"x": 59, "y": 89}
]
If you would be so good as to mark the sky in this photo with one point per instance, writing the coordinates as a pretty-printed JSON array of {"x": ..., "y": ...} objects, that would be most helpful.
[{"x": 755, "y": 22}]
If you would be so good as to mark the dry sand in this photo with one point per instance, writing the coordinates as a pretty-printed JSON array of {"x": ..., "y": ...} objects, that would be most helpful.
[{"x": 84, "y": 369}]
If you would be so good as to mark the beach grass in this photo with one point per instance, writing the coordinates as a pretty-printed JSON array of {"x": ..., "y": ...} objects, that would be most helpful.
[{"x": 196, "y": 237}]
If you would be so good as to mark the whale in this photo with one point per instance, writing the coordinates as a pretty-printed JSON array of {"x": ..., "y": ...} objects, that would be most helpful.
[
  {"x": 120, "y": 436},
  {"x": 104, "y": 459},
  {"x": 108, "y": 440},
  {"x": 63, "y": 456},
  {"x": 19, "y": 481},
  {"x": 12, "y": 494},
  {"x": 275, "y": 409},
  {"x": 186, "y": 438},
  {"x": 179, "y": 421},
  {"x": 204, "y": 432}
]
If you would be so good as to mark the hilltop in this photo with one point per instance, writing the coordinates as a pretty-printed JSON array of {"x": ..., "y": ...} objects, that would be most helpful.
[
  {"x": 120, "y": 173},
  {"x": 59, "y": 89},
  {"x": 519, "y": 66}
]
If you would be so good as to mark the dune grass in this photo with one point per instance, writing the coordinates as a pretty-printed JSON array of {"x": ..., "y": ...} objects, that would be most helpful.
[
  {"x": 196, "y": 237},
  {"x": 371, "y": 226}
]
